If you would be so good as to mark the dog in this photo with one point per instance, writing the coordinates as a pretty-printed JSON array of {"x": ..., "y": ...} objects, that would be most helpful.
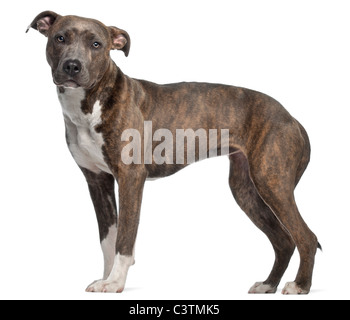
[{"x": 108, "y": 116}]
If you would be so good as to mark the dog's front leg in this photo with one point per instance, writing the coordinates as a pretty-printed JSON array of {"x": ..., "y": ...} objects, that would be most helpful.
[
  {"x": 101, "y": 187},
  {"x": 131, "y": 182}
]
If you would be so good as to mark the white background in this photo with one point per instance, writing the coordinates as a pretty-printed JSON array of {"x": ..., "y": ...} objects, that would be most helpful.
[{"x": 193, "y": 242}]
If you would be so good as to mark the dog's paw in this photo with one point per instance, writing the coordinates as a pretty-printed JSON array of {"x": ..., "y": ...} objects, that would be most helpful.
[
  {"x": 293, "y": 288},
  {"x": 260, "y": 287},
  {"x": 105, "y": 286}
]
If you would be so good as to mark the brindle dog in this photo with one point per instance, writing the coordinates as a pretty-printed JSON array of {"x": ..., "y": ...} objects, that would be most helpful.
[{"x": 268, "y": 149}]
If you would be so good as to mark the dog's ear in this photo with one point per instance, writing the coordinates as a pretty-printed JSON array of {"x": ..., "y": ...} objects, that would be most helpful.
[
  {"x": 120, "y": 40},
  {"x": 43, "y": 22}
]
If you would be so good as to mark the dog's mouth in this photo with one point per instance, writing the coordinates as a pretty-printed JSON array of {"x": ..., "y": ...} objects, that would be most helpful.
[
  {"x": 73, "y": 84},
  {"x": 68, "y": 84}
]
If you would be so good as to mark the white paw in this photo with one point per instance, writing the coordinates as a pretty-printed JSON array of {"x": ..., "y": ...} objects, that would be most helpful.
[
  {"x": 293, "y": 288},
  {"x": 260, "y": 287},
  {"x": 106, "y": 286}
]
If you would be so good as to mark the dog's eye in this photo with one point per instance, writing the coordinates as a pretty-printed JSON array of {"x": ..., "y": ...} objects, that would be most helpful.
[
  {"x": 60, "y": 39},
  {"x": 96, "y": 45}
]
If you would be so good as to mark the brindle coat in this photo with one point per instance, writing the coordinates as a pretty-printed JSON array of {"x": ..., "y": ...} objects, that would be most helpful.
[{"x": 269, "y": 149}]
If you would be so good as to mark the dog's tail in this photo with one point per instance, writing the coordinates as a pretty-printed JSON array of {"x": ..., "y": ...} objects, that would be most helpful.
[{"x": 319, "y": 246}]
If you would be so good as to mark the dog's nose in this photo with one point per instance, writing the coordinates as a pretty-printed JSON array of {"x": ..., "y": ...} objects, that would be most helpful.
[{"x": 72, "y": 67}]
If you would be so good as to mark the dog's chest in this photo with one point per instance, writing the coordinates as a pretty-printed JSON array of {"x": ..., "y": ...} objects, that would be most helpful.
[{"x": 84, "y": 142}]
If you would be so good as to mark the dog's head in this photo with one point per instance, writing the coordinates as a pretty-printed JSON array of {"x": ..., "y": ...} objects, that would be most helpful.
[{"x": 78, "y": 48}]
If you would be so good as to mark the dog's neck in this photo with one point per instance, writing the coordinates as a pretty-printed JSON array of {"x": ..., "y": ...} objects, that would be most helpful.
[{"x": 108, "y": 79}]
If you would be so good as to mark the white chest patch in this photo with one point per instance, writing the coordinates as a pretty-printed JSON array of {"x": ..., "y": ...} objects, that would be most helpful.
[{"x": 84, "y": 142}]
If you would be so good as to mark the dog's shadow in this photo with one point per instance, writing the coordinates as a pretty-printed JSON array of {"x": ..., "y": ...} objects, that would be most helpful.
[{"x": 130, "y": 289}]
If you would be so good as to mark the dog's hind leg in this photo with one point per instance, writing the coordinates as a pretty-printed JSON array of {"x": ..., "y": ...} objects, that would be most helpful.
[
  {"x": 249, "y": 200},
  {"x": 275, "y": 167}
]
